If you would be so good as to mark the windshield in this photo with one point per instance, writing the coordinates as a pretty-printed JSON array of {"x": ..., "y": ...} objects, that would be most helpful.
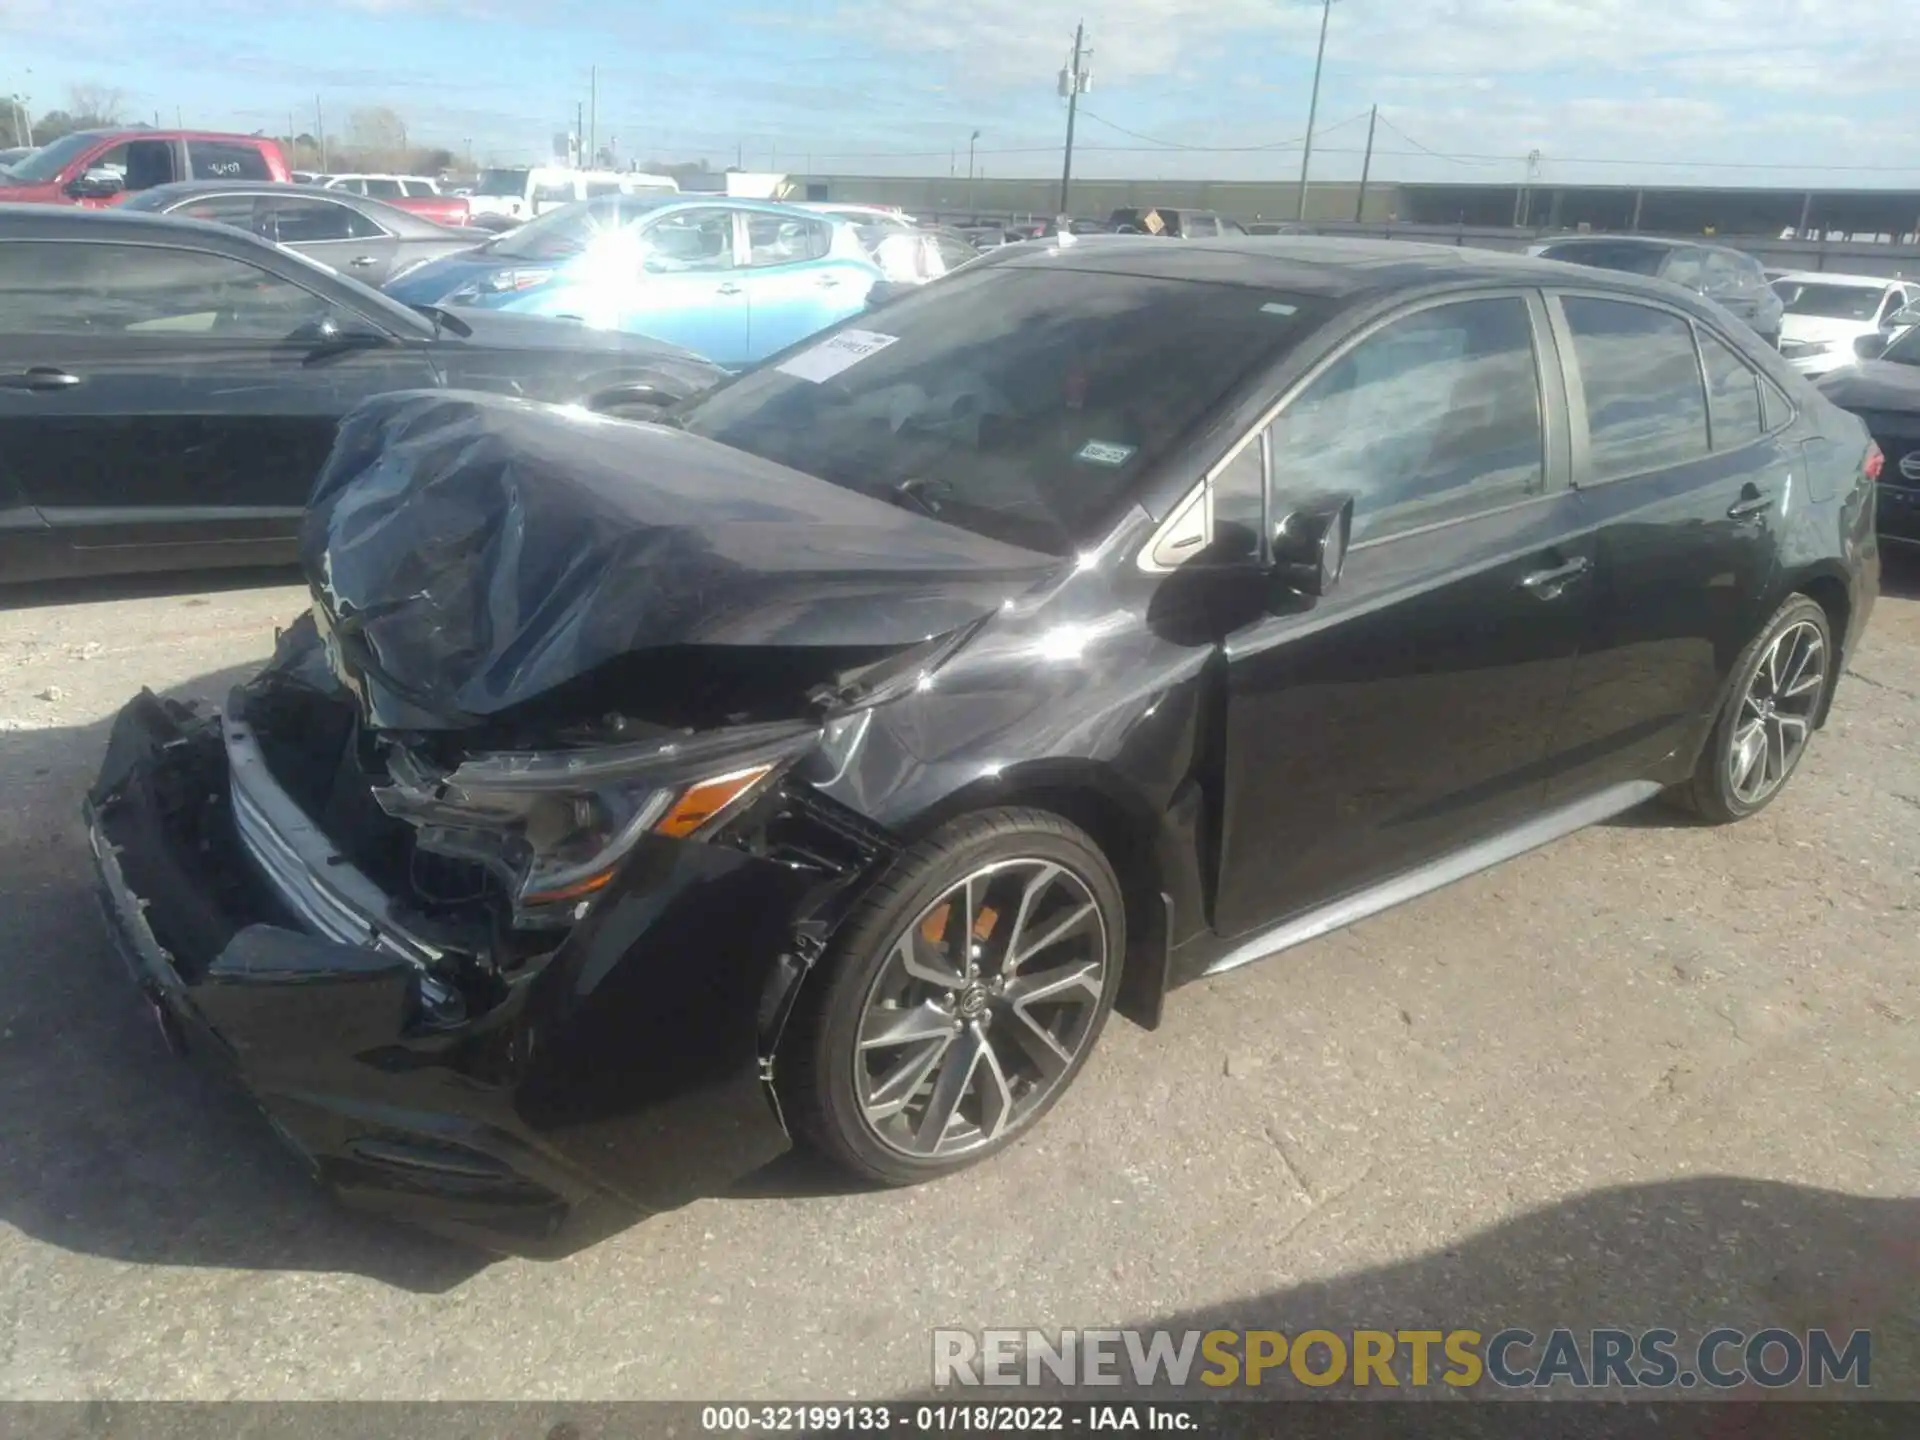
[
  {"x": 1634, "y": 259},
  {"x": 1024, "y": 404},
  {"x": 502, "y": 182},
  {"x": 49, "y": 160},
  {"x": 1829, "y": 302},
  {"x": 562, "y": 234}
]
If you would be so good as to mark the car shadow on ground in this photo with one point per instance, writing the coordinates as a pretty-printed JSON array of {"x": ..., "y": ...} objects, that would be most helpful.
[
  {"x": 1687, "y": 1255},
  {"x": 108, "y": 1144},
  {"x": 150, "y": 585}
]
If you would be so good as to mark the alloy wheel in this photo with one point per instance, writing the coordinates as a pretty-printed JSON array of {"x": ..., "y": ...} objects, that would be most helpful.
[
  {"x": 982, "y": 1008},
  {"x": 1776, "y": 713}
]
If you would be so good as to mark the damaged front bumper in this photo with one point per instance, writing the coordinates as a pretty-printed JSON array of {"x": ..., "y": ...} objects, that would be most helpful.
[{"x": 622, "y": 1073}]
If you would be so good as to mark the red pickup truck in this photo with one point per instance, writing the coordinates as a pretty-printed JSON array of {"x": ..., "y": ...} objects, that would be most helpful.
[{"x": 101, "y": 167}]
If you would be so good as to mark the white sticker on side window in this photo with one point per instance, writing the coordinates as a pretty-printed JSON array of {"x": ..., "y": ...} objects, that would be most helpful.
[
  {"x": 837, "y": 353},
  {"x": 1275, "y": 307},
  {"x": 1104, "y": 452}
]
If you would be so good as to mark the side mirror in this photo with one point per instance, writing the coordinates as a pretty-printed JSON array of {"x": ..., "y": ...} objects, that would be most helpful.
[
  {"x": 1310, "y": 545},
  {"x": 333, "y": 331},
  {"x": 96, "y": 185},
  {"x": 1872, "y": 346}
]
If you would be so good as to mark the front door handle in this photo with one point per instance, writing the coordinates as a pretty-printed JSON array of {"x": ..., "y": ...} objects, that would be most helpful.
[
  {"x": 40, "y": 377},
  {"x": 827, "y": 282},
  {"x": 728, "y": 290},
  {"x": 365, "y": 262},
  {"x": 1750, "y": 503},
  {"x": 1547, "y": 584}
]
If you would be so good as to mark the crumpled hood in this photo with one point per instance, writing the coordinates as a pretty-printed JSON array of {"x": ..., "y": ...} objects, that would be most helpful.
[
  {"x": 469, "y": 553},
  {"x": 1874, "y": 385}
]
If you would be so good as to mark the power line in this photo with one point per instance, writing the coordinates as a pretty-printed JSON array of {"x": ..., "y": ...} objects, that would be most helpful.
[{"x": 1292, "y": 144}]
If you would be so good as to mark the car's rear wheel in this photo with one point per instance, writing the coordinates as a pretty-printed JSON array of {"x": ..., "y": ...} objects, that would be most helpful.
[
  {"x": 960, "y": 1000},
  {"x": 1763, "y": 729}
]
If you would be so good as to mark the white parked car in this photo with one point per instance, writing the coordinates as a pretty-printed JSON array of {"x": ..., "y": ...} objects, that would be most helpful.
[
  {"x": 520, "y": 193},
  {"x": 1826, "y": 313}
]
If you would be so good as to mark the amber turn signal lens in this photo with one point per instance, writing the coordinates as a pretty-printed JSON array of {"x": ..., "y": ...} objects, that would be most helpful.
[
  {"x": 702, "y": 802},
  {"x": 577, "y": 891}
]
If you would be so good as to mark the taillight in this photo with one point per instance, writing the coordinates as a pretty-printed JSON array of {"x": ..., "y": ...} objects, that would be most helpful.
[{"x": 1875, "y": 462}]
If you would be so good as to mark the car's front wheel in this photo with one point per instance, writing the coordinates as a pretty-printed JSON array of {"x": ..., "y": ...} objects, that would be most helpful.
[
  {"x": 1763, "y": 729},
  {"x": 960, "y": 999}
]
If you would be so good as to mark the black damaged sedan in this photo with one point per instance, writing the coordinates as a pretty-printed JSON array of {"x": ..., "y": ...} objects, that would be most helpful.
[{"x": 830, "y": 758}]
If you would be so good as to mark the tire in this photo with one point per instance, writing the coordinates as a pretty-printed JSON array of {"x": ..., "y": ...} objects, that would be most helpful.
[
  {"x": 1713, "y": 792},
  {"x": 830, "y": 1083}
]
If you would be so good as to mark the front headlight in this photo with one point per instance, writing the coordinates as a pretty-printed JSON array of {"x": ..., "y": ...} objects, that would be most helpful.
[{"x": 555, "y": 826}]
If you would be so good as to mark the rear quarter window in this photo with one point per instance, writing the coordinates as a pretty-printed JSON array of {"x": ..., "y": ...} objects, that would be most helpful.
[{"x": 223, "y": 160}]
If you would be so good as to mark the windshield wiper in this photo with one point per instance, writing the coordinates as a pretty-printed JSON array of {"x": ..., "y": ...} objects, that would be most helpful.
[
  {"x": 445, "y": 319},
  {"x": 908, "y": 492}
]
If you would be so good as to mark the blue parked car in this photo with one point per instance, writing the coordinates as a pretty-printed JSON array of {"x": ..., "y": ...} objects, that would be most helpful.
[{"x": 731, "y": 280}]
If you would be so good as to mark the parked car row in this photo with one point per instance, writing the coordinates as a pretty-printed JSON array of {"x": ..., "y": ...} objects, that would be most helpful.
[{"x": 828, "y": 759}]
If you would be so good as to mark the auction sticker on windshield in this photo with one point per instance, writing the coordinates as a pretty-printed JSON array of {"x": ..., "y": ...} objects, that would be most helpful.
[{"x": 831, "y": 356}]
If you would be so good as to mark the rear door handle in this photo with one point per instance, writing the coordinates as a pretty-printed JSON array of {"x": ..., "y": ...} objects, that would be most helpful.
[
  {"x": 1548, "y": 584},
  {"x": 365, "y": 262},
  {"x": 728, "y": 290},
  {"x": 827, "y": 282},
  {"x": 40, "y": 377},
  {"x": 1748, "y": 506}
]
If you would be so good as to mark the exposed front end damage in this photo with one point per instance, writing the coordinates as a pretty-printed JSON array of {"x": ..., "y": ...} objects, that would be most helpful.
[{"x": 457, "y": 1008}]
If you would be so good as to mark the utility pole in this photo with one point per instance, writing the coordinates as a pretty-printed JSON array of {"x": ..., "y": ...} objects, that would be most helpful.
[
  {"x": 579, "y": 133},
  {"x": 320, "y": 132},
  {"x": 1313, "y": 108},
  {"x": 1074, "y": 81},
  {"x": 1366, "y": 166},
  {"x": 972, "y": 140},
  {"x": 593, "y": 115}
]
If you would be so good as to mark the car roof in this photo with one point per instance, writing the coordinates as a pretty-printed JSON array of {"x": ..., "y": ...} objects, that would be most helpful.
[
  {"x": 137, "y": 132},
  {"x": 1310, "y": 264},
  {"x": 264, "y": 187},
  {"x": 1664, "y": 242},
  {"x": 70, "y": 222},
  {"x": 1827, "y": 277}
]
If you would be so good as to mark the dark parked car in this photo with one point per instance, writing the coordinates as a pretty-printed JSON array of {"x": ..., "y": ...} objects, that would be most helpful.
[
  {"x": 169, "y": 388},
  {"x": 1883, "y": 389},
  {"x": 368, "y": 239},
  {"x": 840, "y": 752},
  {"x": 1727, "y": 277}
]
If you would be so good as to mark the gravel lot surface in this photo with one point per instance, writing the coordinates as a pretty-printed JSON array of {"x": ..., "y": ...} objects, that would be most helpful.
[{"x": 1653, "y": 1075}]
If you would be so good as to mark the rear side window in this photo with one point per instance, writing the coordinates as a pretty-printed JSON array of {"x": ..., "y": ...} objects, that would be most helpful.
[
  {"x": 383, "y": 189},
  {"x": 224, "y": 160},
  {"x": 1688, "y": 267},
  {"x": 418, "y": 188},
  {"x": 552, "y": 193},
  {"x": 1646, "y": 406},
  {"x": 306, "y": 220},
  {"x": 597, "y": 188},
  {"x": 1431, "y": 418},
  {"x": 1733, "y": 395}
]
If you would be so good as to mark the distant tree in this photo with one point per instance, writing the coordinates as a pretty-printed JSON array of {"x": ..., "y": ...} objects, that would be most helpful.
[
  {"x": 94, "y": 105},
  {"x": 432, "y": 162},
  {"x": 377, "y": 138},
  {"x": 52, "y": 125}
]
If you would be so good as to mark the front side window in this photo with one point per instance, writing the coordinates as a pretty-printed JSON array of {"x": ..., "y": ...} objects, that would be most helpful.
[
  {"x": 691, "y": 240},
  {"x": 1733, "y": 395},
  {"x": 776, "y": 240},
  {"x": 224, "y": 160},
  {"x": 383, "y": 189},
  {"x": 1433, "y": 417},
  {"x": 1024, "y": 403},
  {"x": 563, "y": 234},
  {"x": 1646, "y": 406},
  {"x": 235, "y": 210},
  {"x": 554, "y": 192},
  {"x": 94, "y": 289},
  {"x": 418, "y": 189},
  {"x": 306, "y": 220},
  {"x": 1687, "y": 268},
  {"x": 139, "y": 164}
]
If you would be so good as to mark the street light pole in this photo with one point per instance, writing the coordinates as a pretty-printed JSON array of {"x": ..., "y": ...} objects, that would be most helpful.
[
  {"x": 1313, "y": 108},
  {"x": 972, "y": 140}
]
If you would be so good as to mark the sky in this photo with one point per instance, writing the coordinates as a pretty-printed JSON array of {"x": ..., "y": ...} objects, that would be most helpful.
[{"x": 1734, "y": 92}]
